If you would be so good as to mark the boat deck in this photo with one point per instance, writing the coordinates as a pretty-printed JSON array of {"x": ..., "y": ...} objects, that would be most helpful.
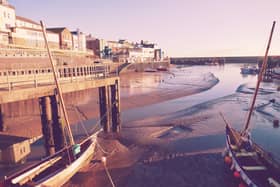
[{"x": 256, "y": 165}]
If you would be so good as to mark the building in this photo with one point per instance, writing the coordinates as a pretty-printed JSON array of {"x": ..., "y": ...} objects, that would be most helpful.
[
  {"x": 158, "y": 54},
  {"x": 141, "y": 55},
  {"x": 96, "y": 45},
  {"x": 27, "y": 23},
  {"x": 65, "y": 37},
  {"x": 79, "y": 40},
  {"x": 28, "y": 33},
  {"x": 7, "y": 21}
]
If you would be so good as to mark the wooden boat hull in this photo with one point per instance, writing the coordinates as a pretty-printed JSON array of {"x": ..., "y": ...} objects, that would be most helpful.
[
  {"x": 255, "y": 167},
  {"x": 56, "y": 170},
  {"x": 64, "y": 175}
]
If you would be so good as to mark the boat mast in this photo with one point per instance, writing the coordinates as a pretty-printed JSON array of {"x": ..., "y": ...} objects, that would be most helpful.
[
  {"x": 260, "y": 77},
  {"x": 71, "y": 139}
]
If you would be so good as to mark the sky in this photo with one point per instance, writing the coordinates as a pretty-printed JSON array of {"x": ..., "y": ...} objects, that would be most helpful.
[{"x": 182, "y": 28}]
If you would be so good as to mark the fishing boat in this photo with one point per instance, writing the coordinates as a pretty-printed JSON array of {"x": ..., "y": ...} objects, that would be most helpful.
[
  {"x": 150, "y": 70},
  {"x": 162, "y": 68},
  {"x": 252, "y": 70},
  {"x": 57, "y": 169},
  {"x": 276, "y": 73},
  {"x": 252, "y": 165}
]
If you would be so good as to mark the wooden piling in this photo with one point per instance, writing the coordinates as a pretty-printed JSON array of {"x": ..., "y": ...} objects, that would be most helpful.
[
  {"x": 57, "y": 125},
  {"x": 103, "y": 106},
  {"x": 2, "y": 119},
  {"x": 46, "y": 119},
  {"x": 115, "y": 101}
]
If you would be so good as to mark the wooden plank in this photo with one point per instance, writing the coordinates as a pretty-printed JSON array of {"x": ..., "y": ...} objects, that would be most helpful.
[
  {"x": 245, "y": 154},
  {"x": 254, "y": 168},
  {"x": 273, "y": 182}
]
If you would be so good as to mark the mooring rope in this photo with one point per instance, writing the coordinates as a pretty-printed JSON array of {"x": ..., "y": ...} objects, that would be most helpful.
[{"x": 104, "y": 160}]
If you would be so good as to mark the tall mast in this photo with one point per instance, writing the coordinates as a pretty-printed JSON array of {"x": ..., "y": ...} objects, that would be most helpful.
[
  {"x": 58, "y": 86},
  {"x": 260, "y": 77}
]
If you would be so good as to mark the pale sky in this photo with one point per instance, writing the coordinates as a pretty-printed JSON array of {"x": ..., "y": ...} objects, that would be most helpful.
[{"x": 182, "y": 28}]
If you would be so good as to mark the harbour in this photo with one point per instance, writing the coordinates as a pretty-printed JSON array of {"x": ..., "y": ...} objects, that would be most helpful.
[
  {"x": 187, "y": 128},
  {"x": 125, "y": 94}
]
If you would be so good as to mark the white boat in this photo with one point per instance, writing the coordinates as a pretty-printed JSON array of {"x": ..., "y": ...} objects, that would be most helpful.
[
  {"x": 55, "y": 170},
  {"x": 249, "y": 70},
  {"x": 150, "y": 70}
]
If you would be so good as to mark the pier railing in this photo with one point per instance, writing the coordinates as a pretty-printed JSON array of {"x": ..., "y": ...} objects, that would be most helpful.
[{"x": 33, "y": 77}]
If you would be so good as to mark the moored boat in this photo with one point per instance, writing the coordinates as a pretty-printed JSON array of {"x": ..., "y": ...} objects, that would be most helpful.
[
  {"x": 55, "y": 170},
  {"x": 255, "y": 167},
  {"x": 249, "y": 70},
  {"x": 151, "y": 70},
  {"x": 162, "y": 68},
  {"x": 252, "y": 165}
]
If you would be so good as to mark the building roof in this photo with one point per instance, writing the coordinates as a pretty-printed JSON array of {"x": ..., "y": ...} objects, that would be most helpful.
[
  {"x": 26, "y": 20},
  {"x": 57, "y": 30},
  {"x": 34, "y": 29},
  {"x": 8, "y": 5}
]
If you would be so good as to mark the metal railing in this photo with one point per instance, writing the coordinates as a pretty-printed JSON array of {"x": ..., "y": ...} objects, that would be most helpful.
[{"x": 34, "y": 77}]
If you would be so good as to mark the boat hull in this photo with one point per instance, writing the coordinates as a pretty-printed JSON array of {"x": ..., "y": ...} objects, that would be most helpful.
[
  {"x": 57, "y": 169},
  {"x": 255, "y": 166},
  {"x": 64, "y": 175}
]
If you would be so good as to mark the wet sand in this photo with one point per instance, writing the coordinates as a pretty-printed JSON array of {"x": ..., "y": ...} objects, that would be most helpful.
[
  {"x": 158, "y": 151},
  {"x": 146, "y": 152}
]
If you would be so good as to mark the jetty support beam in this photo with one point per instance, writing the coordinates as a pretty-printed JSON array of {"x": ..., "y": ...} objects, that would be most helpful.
[
  {"x": 46, "y": 119},
  {"x": 58, "y": 127},
  {"x": 115, "y": 101},
  {"x": 103, "y": 108},
  {"x": 2, "y": 119}
]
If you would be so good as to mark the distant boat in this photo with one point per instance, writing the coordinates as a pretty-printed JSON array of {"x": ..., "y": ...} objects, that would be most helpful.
[
  {"x": 162, "y": 68},
  {"x": 276, "y": 73},
  {"x": 150, "y": 70},
  {"x": 249, "y": 70}
]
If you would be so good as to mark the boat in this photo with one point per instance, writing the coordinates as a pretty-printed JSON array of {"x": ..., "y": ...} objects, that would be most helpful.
[
  {"x": 150, "y": 70},
  {"x": 57, "y": 169},
  {"x": 276, "y": 73},
  {"x": 251, "y": 70},
  {"x": 162, "y": 68},
  {"x": 252, "y": 165}
]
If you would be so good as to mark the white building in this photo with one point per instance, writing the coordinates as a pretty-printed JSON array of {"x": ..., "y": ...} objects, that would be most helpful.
[
  {"x": 79, "y": 40},
  {"x": 27, "y": 23},
  {"x": 7, "y": 21},
  {"x": 141, "y": 55},
  {"x": 28, "y": 33}
]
